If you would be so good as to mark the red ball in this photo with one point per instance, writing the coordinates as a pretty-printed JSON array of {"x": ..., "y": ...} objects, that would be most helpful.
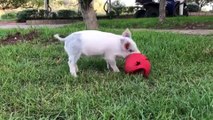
[{"x": 137, "y": 63}]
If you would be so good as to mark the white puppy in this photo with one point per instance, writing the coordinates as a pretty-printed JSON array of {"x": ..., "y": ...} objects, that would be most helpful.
[{"x": 93, "y": 42}]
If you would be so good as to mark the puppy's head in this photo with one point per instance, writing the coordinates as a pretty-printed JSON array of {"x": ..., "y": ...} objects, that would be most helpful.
[{"x": 128, "y": 45}]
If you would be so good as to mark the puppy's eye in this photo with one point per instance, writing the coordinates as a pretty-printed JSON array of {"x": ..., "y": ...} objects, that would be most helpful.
[{"x": 130, "y": 50}]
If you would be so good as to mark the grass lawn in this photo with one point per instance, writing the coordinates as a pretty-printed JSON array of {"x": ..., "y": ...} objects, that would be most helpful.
[
  {"x": 36, "y": 83},
  {"x": 170, "y": 22},
  {"x": 190, "y": 22},
  {"x": 7, "y": 20}
]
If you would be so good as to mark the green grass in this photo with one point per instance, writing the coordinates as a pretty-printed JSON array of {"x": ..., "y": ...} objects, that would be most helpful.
[
  {"x": 7, "y": 20},
  {"x": 170, "y": 22},
  {"x": 8, "y": 17},
  {"x": 36, "y": 83}
]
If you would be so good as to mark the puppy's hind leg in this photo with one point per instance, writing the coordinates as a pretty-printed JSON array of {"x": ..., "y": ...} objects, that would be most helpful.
[
  {"x": 72, "y": 66},
  {"x": 76, "y": 60},
  {"x": 73, "y": 49}
]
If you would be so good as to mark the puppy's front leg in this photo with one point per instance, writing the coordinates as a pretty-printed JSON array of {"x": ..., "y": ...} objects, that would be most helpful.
[{"x": 111, "y": 61}]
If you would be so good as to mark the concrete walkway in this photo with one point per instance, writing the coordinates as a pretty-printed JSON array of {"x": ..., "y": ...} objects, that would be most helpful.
[{"x": 10, "y": 25}]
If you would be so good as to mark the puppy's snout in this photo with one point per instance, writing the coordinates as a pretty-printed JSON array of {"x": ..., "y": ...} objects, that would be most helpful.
[{"x": 137, "y": 51}]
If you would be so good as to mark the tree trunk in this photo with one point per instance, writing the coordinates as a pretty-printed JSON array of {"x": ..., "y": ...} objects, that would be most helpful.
[
  {"x": 89, "y": 16},
  {"x": 46, "y": 8},
  {"x": 162, "y": 11}
]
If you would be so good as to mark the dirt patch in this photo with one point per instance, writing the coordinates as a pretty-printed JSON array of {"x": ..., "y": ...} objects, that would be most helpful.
[{"x": 18, "y": 37}]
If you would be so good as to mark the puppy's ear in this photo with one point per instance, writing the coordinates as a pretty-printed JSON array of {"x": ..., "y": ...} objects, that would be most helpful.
[{"x": 127, "y": 33}]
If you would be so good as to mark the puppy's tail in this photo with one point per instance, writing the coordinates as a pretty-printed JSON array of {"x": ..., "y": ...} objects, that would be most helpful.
[{"x": 58, "y": 37}]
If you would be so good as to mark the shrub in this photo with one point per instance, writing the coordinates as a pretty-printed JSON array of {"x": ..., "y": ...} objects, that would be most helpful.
[
  {"x": 111, "y": 14},
  {"x": 53, "y": 15},
  {"x": 66, "y": 14},
  {"x": 79, "y": 13},
  {"x": 193, "y": 7},
  {"x": 40, "y": 13},
  {"x": 118, "y": 7},
  {"x": 24, "y": 15},
  {"x": 30, "y": 14},
  {"x": 9, "y": 16},
  {"x": 129, "y": 10}
]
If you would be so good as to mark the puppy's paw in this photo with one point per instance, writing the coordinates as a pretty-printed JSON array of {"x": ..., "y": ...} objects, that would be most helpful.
[
  {"x": 116, "y": 70},
  {"x": 74, "y": 75}
]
